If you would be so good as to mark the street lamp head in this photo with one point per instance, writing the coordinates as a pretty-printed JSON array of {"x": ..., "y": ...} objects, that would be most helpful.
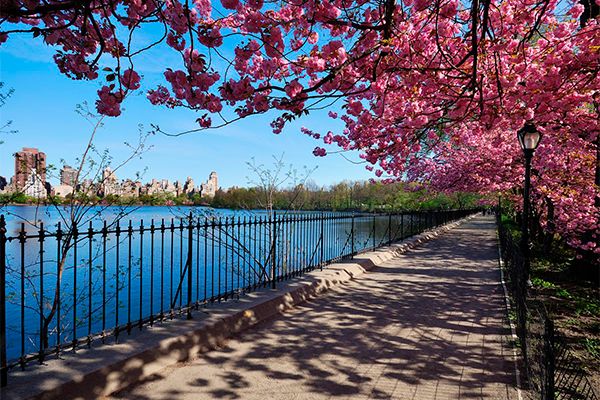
[{"x": 529, "y": 137}]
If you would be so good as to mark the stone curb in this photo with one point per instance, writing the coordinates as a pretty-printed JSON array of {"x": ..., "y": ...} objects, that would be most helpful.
[{"x": 138, "y": 358}]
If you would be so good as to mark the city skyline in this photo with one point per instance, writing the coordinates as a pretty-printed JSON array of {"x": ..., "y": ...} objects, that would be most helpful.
[{"x": 31, "y": 172}]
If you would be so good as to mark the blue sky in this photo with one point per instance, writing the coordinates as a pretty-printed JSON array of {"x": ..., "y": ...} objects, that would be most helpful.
[{"x": 42, "y": 109}]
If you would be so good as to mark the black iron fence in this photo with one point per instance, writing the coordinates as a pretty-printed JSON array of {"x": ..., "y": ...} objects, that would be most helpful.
[
  {"x": 552, "y": 371},
  {"x": 65, "y": 288}
]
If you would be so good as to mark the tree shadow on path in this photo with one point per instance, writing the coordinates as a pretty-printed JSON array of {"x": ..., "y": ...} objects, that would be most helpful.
[{"x": 428, "y": 324}]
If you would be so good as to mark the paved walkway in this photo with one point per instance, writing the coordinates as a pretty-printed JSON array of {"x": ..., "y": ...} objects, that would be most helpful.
[{"x": 426, "y": 325}]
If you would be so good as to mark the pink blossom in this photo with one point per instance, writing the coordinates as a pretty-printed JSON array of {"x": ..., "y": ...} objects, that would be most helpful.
[
  {"x": 176, "y": 41},
  {"x": 355, "y": 108},
  {"x": 130, "y": 79},
  {"x": 237, "y": 90},
  {"x": 273, "y": 40},
  {"x": 211, "y": 38},
  {"x": 293, "y": 88},
  {"x": 278, "y": 125},
  {"x": 230, "y": 4},
  {"x": 255, "y": 4},
  {"x": 204, "y": 121},
  {"x": 159, "y": 95},
  {"x": 576, "y": 10},
  {"x": 109, "y": 103},
  {"x": 319, "y": 152},
  {"x": 261, "y": 103},
  {"x": 204, "y": 7},
  {"x": 214, "y": 104}
]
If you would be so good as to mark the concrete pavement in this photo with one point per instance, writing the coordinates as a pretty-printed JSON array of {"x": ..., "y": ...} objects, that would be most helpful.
[{"x": 428, "y": 324}]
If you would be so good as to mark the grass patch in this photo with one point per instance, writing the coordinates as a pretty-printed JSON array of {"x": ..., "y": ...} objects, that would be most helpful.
[
  {"x": 572, "y": 322},
  {"x": 512, "y": 315},
  {"x": 564, "y": 293},
  {"x": 541, "y": 283},
  {"x": 587, "y": 306},
  {"x": 509, "y": 224},
  {"x": 592, "y": 346}
]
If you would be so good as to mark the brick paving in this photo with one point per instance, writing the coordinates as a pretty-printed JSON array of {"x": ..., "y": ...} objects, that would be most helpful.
[{"x": 426, "y": 325}]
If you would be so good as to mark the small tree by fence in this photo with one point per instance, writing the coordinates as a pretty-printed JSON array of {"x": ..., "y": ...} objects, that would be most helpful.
[{"x": 551, "y": 369}]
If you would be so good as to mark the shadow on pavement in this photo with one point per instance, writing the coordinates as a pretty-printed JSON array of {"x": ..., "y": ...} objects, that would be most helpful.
[{"x": 428, "y": 324}]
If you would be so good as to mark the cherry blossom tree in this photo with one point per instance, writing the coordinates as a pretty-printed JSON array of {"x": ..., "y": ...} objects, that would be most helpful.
[{"x": 430, "y": 91}]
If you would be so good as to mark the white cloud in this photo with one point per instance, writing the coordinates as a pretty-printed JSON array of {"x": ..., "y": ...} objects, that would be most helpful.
[{"x": 20, "y": 46}]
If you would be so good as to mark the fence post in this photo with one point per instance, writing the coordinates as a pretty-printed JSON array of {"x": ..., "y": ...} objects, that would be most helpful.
[
  {"x": 389, "y": 228},
  {"x": 401, "y": 226},
  {"x": 3, "y": 367},
  {"x": 549, "y": 357},
  {"x": 189, "y": 266},
  {"x": 273, "y": 252},
  {"x": 374, "y": 220},
  {"x": 322, "y": 240},
  {"x": 352, "y": 236},
  {"x": 418, "y": 224}
]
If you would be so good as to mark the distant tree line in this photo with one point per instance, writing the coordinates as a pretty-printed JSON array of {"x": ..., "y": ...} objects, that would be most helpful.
[{"x": 344, "y": 196}]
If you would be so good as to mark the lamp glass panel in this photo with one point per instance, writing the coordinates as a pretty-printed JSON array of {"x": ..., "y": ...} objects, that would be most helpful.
[
  {"x": 520, "y": 137},
  {"x": 531, "y": 140}
]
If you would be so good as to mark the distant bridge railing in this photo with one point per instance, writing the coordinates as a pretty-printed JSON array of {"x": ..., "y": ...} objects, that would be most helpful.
[{"x": 65, "y": 288}]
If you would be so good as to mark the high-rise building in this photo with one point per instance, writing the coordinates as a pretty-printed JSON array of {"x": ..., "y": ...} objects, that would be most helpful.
[
  {"x": 30, "y": 166},
  {"x": 109, "y": 183},
  {"x": 34, "y": 186},
  {"x": 211, "y": 186},
  {"x": 130, "y": 188},
  {"x": 188, "y": 186},
  {"x": 68, "y": 175}
]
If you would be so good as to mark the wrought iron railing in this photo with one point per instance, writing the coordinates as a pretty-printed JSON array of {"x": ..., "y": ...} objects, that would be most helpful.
[
  {"x": 551, "y": 369},
  {"x": 65, "y": 288}
]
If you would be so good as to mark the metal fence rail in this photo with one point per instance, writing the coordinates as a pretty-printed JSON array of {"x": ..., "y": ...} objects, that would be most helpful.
[
  {"x": 66, "y": 288},
  {"x": 551, "y": 369}
]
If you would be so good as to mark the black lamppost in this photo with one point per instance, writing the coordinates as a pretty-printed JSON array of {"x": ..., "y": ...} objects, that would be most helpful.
[{"x": 529, "y": 138}]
